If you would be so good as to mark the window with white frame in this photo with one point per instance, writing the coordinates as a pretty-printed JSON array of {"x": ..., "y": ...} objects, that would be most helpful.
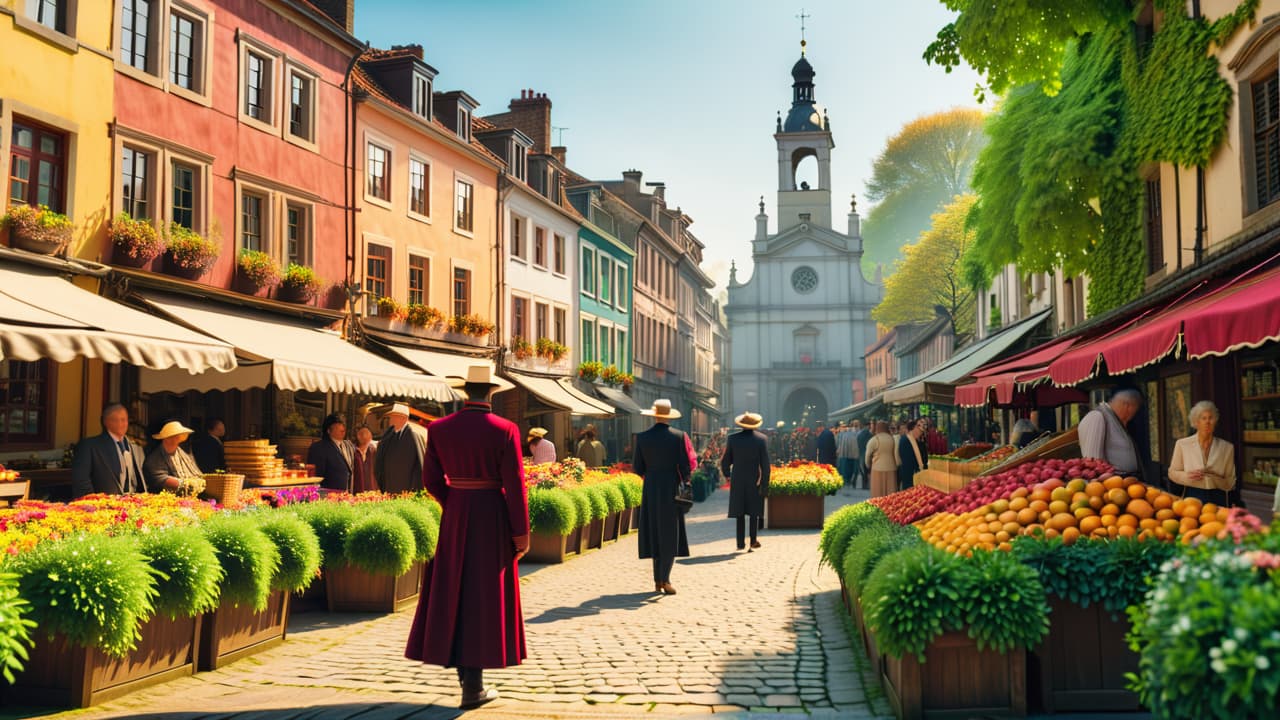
[
  {"x": 419, "y": 276},
  {"x": 559, "y": 321},
  {"x": 419, "y": 187},
  {"x": 461, "y": 291},
  {"x": 623, "y": 289},
  {"x": 587, "y": 338},
  {"x": 518, "y": 160},
  {"x": 137, "y": 170},
  {"x": 540, "y": 247},
  {"x": 422, "y": 96},
  {"x": 517, "y": 237},
  {"x": 139, "y": 46},
  {"x": 298, "y": 234},
  {"x": 185, "y": 51},
  {"x": 253, "y": 221},
  {"x": 258, "y": 74},
  {"x": 464, "y": 123},
  {"x": 302, "y": 105},
  {"x": 519, "y": 317},
  {"x": 187, "y": 191},
  {"x": 541, "y": 318},
  {"x": 377, "y": 275},
  {"x": 464, "y": 206},
  {"x": 588, "y": 271},
  {"x": 54, "y": 14},
  {"x": 378, "y": 172},
  {"x": 557, "y": 254},
  {"x": 606, "y": 280},
  {"x": 606, "y": 344},
  {"x": 620, "y": 348}
]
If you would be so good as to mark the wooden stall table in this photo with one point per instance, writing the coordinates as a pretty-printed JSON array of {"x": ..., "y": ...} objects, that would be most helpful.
[
  {"x": 52, "y": 485},
  {"x": 284, "y": 483},
  {"x": 12, "y": 491}
]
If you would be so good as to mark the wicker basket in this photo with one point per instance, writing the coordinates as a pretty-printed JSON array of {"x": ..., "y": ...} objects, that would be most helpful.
[{"x": 223, "y": 487}]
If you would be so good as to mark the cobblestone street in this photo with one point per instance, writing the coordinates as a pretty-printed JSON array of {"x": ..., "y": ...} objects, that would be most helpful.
[{"x": 747, "y": 633}]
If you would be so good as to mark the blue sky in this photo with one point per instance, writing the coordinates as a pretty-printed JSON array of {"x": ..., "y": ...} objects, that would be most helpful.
[{"x": 687, "y": 90}]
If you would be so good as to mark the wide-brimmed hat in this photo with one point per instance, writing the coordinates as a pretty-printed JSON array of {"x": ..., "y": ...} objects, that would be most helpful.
[
  {"x": 171, "y": 428},
  {"x": 399, "y": 409},
  {"x": 476, "y": 375},
  {"x": 748, "y": 420},
  {"x": 537, "y": 432},
  {"x": 661, "y": 410}
]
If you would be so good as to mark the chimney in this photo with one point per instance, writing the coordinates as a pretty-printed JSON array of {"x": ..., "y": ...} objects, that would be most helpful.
[
  {"x": 631, "y": 180},
  {"x": 414, "y": 49},
  {"x": 340, "y": 11},
  {"x": 558, "y": 152},
  {"x": 531, "y": 115},
  {"x": 659, "y": 190}
]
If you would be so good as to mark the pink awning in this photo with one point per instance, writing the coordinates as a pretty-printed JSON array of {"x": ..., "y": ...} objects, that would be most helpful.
[
  {"x": 1033, "y": 358},
  {"x": 1244, "y": 315}
]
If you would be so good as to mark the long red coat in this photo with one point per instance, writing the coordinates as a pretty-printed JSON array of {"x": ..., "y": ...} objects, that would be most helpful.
[{"x": 469, "y": 610}]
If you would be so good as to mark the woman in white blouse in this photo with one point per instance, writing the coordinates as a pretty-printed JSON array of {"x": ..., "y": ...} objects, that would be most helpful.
[{"x": 1204, "y": 466}]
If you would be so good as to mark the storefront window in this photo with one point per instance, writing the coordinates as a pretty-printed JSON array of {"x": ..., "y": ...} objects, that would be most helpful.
[
  {"x": 1177, "y": 406},
  {"x": 25, "y": 402}
]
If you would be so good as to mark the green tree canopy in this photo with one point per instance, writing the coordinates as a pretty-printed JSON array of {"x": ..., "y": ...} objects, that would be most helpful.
[
  {"x": 929, "y": 275},
  {"x": 922, "y": 168}
]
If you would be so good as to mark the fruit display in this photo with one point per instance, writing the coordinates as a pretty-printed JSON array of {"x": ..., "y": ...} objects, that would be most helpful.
[
  {"x": 9, "y": 475},
  {"x": 985, "y": 490},
  {"x": 910, "y": 505},
  {"x": 1101, "y": 508},
  {"x": 971, "y": 450}
]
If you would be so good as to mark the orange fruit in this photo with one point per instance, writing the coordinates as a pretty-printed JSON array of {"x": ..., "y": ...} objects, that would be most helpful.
[
  {"x": 1162, "y": 501},
  {"x": 1062, "y": 521},
  {"x": 1020, "y": 493},
  {"x": 1039, "y": 505},
  {"x": 1051, "y": 532},
  {"x": 1027, "y": 516},
  {"x": 1178, "y": 505},
  {"x": 1109, "y": 521},
  {"x": 1059, "y": 506},
  {"x": 1170, "y": 526},
  {"x": 1018, "y": 503},
  {"x": 1132, "y": 481},
  {"x": 1137, "y": 490},
  {"x": 1148, "y": 523},
  {"x": 1209, "y": 509},
  {"x": 1070, "y": 535},
  {"x": 1211, "y": 529},
  {"x": 1045, "y": 515},
  {"x": 1124, "y": 531},
  {"x": 1089, "y": 524},
  {"x": 1007, "y": 516},
  {"x": 987, "y": 538},
  {"x": 1153, "y": 492},
  {"x": 1223, "y": 514},
  {"x": 1117, "y": 496},
  {"x": 1109, "y": 509},
  {"x": 1011, "y": 528},
  {"x": 1127, "y": 520},
  {"x": 1140, "y": 508},
  {"x": 1002, "y": 537},
  {"x": 1096, "y": 502},
  {"x": 1113, "y": 483},
  {"x": 1062, "y": 494},
  {"x": 1041, "y": 495},
  {"x": 1005, "y": 546},
  {"x": 1084, "y": 512},
  {"x": 1186, "y": 525},
  {"x": 1094, "y": 489},
  {"x": 1164, "y": 513}
]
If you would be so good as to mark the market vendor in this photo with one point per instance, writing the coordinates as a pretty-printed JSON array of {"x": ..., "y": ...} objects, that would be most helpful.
[
  {"x": 1104, "y": 432},
  {"x": 108, "y": 463},
  {"x": 168, "y": 466},
  {"x": 1204, "y": 466}
]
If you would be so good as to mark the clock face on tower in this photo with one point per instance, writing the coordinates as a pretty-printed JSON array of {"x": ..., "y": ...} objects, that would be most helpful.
[{"x": 804, "y": 279}]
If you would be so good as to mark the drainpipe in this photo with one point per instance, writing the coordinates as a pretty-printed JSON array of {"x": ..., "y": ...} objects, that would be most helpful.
[
  {"x": 1200, "y": 209},
  {"x": 1177, "y": 212},
  {"x": 504, "y": 188},
  {"x": 349, "y": 183}
]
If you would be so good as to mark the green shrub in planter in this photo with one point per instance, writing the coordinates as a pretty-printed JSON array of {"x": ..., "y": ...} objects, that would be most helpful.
[
  {"x": 380, "y": 543},
  {"x": 912, "y": 598},
  {"x": 581, "y": 504},
  {"x": 552, "y": 510},
  {"x": 248, "y": 557},
  {"x": 599, "y": 506},
  {"x": 299, "y": 550},
  {"x": 613, "y": 497},
  {"x": 632, "y": 491},
  {"x": 842, "y": 525},
  {"x": 93, "y": 589},
  {"x": 190, "y": 575},
  {"x": 1002, "y": 602},
  {"x": 15, "y": 626},
  {"x": 1110, "y": 572},
  {"x": 330, "y": 521},
  {"x": 866, "y": 549},
  {"x": 426, "y": 529}
]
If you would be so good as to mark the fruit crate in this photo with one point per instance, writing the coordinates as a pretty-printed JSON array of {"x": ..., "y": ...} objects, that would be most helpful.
[{"x": 1062, "y": 446}]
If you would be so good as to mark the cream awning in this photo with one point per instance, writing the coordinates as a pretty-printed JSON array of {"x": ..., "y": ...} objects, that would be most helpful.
[
  {"x": 291, "y": 354},
  {"x": 444, "y": 364},
  {"x": 559, "y": 391},
  {"x": 43, "y": 315}
]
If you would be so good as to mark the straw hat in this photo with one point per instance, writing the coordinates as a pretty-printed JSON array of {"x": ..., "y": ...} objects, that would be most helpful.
[
  {"x": 748, "y": 420},
  {"x": 399, "y": 409},
  {"x": 476, "y": 375},
  {"x": 171, "y": 428},
  {"x": 661, "y": 410},
  {"x": 537, "y": 432}
]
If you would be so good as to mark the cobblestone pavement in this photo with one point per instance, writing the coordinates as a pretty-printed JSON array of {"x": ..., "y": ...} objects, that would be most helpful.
[{"x": 747, "y": 633}]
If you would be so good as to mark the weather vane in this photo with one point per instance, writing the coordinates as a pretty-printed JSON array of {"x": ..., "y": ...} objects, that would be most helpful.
[{"x": 802, "y": 16}]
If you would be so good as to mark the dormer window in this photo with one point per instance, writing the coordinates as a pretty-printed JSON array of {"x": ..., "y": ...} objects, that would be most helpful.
[
  {"x": 518, "y": 160},
  {"x": 464, "y": 124},
  {"x": 421, "y": 95}
]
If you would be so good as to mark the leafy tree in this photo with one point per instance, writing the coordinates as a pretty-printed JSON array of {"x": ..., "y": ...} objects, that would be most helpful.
[
  {"x": 930, "y": 275},
  {"x": 922, "y": 168}
]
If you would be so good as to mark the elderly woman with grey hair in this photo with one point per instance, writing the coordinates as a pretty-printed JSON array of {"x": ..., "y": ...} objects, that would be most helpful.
[{"x": 1204, "y": 466}]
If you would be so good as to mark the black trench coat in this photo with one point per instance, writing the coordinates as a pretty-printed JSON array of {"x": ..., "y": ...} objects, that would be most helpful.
[
  {"x": 747, "y": 453},
  {"x": 660, "y": 459}
]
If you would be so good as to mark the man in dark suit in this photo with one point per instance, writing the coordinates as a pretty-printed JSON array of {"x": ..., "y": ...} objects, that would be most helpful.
[
  {"x": 826, "y": 445},
  {"x": 746, "y": 463},
  {"x": 660, "y": 458},
  {"x": 333, "y": 455},
  {"x": 207, "y": 448},
  {"x": 912, "y": 455},
  {"x": 398, "y": 464},
  {"x": 108, "y": 463},
  {"x": 864, "y": 437}
]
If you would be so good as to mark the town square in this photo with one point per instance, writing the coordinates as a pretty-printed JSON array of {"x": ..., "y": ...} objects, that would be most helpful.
[{"x": 828, "y": 360}]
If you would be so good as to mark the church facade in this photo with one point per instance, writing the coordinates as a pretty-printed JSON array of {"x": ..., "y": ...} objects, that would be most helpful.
[{"x": 799, "y": 326}]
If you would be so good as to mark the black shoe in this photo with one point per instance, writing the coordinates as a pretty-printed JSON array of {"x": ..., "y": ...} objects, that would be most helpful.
[{"x": 755, "y": 544}]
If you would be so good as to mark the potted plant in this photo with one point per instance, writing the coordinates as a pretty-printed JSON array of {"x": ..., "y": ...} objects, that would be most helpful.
[
  {"x": 472, "y": 327},
  {"x": 134, "y": 242},
  {"x": 251, "y": 614},
  {"x": 796, "y": 492},
  {"x": 423, "y": 316},
  {"x": 611, "y": 376},
  {"x": 256, "y": 271},
  {"x": 627, "y": 380},
  {"x": 590, "y": 370},
  {"x": 38, "y": 229},
  {"x": 553, "y": 518},
  {"x": 390, "y": 309},
  {"x": 521, "y": 348},
  {"x": 550, "y": 350},
  {"x": 187, "y": 253},
  {"x": 380, "y": 569},
  {"x": 299, "y": 284}
]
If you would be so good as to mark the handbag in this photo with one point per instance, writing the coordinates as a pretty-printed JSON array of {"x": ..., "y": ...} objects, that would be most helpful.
[{"x": 684, "y": 497}]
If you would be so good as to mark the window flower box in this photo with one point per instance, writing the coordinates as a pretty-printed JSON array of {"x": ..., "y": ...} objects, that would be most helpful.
[
  {"x": 188, "y": 254},
  {"x": 134, "y": 243},
  {"x": 299, "y": 284},
  {"x": 38, "y": 229}
]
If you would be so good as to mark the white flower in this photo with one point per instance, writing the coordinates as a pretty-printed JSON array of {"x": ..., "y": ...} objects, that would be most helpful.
[
  {"x": 1215, "y": 653},
  {"x": 1184, "y": 624},
  {"x": 1261, "y": 662},
  {"x": 1218, "y": 667},
  {"x": 1229, "y": 646},
  {"x": 1241, "y": 634}
]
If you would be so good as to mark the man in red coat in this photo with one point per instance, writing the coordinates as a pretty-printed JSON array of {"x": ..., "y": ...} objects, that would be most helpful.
[{"x": 468, "y": 614}]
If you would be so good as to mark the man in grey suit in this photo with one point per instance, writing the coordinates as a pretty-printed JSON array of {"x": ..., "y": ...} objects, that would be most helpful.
[
  {"x": 746, "y": 463},
  {"x": 398, "y": 464},
  {"x": 110, "y": 462}
]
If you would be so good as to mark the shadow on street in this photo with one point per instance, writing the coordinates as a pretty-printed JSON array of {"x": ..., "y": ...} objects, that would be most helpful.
[{"x": 626, "y": 601}]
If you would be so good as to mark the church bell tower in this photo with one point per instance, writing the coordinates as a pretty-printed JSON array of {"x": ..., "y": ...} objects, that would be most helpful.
[{"x": 805, "y": 133}]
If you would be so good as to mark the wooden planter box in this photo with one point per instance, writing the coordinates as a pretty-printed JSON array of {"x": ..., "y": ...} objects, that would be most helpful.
[
  {"x": 313, "y": 599},
  {"x": 624, "y": 521},
  {"x": 595, "y": 534},
  {"x": 957, "y": 682},
  {"x": 232, "y": 632},
  {"x": 1081, "y": 664},
  {"x": 350, "y": 589},
  {"x": 573, "y": 542},
  {"x": 611, "y": 522},
  {"x": 545, "y": 547},
  {"x": 62, "y": 674},
  {"x": 795, "y": 511}
]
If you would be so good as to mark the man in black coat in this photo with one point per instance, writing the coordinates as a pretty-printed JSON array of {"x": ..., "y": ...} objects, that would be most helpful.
[
  {"x": 746, "y": 463},
  {"x": 826, "y": 445},
  {"x": 333, "y": 455},
  {"x": 912, "y": 454},
  {"x": 108, "y": 463},
  {"x": 398, "y": 464},
  {"x": 661, "y": 459},
  {"x": 864, "y": 437},
  {"x": 206, "y": 447}
]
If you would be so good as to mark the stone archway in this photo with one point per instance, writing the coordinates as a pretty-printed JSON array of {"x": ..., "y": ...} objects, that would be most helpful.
[{"x": 804, "y": 406}]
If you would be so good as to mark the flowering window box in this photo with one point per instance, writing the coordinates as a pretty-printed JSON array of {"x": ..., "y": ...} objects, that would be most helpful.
[
  {"x": 350, "y": 589},
  {"x": 235, "y": 631}
]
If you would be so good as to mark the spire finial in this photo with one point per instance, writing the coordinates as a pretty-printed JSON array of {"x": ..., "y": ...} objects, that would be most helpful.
[
  {"x": 761, "y": 204},
  {"x": 802, "y": 16},
  {"x": 853, "y": 203}
]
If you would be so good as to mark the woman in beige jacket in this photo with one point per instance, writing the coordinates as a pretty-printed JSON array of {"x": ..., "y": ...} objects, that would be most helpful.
[
  {"x": 1204, "y": 466},
  {"x": 880, "y": 460}
]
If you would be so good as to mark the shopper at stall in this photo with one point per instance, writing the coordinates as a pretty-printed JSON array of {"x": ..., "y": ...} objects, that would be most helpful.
[
  {"x": 826, "y": 445},
  {"x": 1024, "y": 431},
  {"x": 847, "y": 457},
  {"x": 468, "y": 614},
  {"x": 864, "y": 437},
  {"x": 1204, "y": 466},
  {"x": 1104, "y": 434},
  {"x": 935, "y": 442},
  {"x": 663, "y": 462},
  {"x": 541, "y": 449},
  {"x": 399, "y": 461},
  {"x": 206, "y": 447},
  {"x": 590, "y": 450},
  {"x": 363, "y": 477},
  {"x": 912, "y": 455},
  {"x": 333, "y": 455},
  {"x": 880, "y": 459},
  {"x": 168, "y": 466},
  {"x": 109, "y": 462},
  {"x": 746, "y": 463}
]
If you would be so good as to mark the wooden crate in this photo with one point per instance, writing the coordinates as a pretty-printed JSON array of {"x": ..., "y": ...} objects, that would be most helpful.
[
  {"x": 939, "y": 480},
  {"x": 794, "y": 511},
  {"x": 232, "y": 632},
  {"x": 958, "y": 681},
  {"x": 1081, "y": 664},
  {"x": 350, "y": 589},
  {"x": 545, "y": 547}
]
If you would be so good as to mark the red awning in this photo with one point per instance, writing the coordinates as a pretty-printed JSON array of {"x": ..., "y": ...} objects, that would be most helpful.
[
  {"x": 1033, "y": 358},
  {"x": 975, "y": 393},
  {"x": 1242, "y": 316}
]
